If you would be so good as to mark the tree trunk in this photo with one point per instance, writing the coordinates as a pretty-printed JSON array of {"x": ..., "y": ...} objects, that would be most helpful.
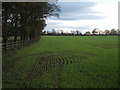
[
  {"x": 4, "y": 42},
  {"x": 15, "y": 38}
]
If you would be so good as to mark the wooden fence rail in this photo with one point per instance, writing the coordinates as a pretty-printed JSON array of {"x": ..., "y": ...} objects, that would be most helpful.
[{"x": 14, "y": 45}]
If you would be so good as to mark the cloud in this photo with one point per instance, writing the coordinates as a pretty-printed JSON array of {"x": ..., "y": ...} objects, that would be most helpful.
[
  {"x": 78, "y": 10},
  {"x": 68, "y": 7},
  {"x": 82, "y": 17},
  {"x": 86, "y": 16}
]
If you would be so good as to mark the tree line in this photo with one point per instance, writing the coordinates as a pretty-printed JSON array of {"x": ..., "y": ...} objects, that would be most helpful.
[
  {"x": 95, "y": 31},
  {"x": 26, "y": 19}
]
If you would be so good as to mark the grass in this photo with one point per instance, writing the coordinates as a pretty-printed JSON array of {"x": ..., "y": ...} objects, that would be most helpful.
[{"x": 64, "y": 62}]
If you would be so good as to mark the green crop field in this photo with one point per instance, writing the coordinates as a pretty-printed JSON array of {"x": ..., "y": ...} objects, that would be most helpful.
[{"x": 64, "y": 62}]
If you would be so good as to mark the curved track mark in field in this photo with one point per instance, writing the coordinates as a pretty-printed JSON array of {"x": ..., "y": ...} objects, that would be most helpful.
[
  {"x": 37, "y": 70},
  {"x": 42, "y": 64},
  {"x": 65, "y": 60}
]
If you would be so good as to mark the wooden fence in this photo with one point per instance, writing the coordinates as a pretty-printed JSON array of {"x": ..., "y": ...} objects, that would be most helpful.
[{"x": 14, "y": 45}]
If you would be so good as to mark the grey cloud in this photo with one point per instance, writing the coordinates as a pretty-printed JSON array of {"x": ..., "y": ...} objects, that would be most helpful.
[
  {"x": 68, "y": 7},
  {"x": 83, "y": 17},
  {"x": 77, "y": 11}
]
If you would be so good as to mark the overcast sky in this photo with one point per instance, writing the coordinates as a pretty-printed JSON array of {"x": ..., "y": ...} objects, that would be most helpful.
[{"x": 85, "y": 15}]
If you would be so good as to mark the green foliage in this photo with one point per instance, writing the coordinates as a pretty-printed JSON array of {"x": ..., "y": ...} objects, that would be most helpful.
[{"x": 26, "y": 19}]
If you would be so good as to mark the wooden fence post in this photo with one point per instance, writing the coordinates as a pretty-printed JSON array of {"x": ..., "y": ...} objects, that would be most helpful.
[{"x": 13, "y": 45}]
